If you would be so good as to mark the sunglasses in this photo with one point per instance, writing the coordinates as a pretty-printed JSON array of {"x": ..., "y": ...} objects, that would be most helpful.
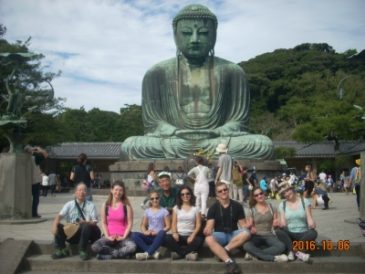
[
  {"x": 222, "y": 190},
  {"x": 185, "y": 194},
  {"x": 258, "y": 194},
  {"x": 154, "y": 198}
]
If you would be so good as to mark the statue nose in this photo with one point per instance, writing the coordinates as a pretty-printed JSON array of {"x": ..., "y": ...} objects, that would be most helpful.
[{"x": 194, "y": 38}]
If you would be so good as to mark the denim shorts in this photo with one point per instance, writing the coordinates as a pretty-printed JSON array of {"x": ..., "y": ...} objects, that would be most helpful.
[{"x": 224, "y": 238}]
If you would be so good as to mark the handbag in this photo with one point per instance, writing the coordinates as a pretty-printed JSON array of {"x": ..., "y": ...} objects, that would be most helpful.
[{"x": 70, "y": 229}]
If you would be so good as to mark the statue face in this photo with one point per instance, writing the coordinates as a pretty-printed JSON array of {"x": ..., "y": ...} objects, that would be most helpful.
[{"x": 195, "y": 38}]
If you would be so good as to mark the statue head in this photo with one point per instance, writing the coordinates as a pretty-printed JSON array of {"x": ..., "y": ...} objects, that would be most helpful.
[{"x": 195, "y": 32}]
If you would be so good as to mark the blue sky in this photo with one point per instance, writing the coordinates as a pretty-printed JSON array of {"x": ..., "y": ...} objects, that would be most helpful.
[{"x": 104, "y": 47}]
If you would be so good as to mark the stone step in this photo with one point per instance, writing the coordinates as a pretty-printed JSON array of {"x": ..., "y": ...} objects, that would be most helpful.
[
  {"x": 15, "y": 250},
  {"x": 327, "y": 264},
  {"x": 45, "y": 247},
  {"x": 68, "y": 272}
]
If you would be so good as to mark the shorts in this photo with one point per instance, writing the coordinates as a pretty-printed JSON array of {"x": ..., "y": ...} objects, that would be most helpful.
[{"x": 223, "y": 238}]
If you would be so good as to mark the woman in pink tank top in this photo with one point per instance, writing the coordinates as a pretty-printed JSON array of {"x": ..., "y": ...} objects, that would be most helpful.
[{"x": 117, "y": 222}]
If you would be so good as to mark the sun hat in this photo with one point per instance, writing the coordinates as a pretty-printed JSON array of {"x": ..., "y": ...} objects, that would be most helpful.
[
  {"x": 164, "y": 174},
  {"x": 284, "y": 186},
  {"x": 222, "y": 148},
  {"x": 358, "y": 161}
]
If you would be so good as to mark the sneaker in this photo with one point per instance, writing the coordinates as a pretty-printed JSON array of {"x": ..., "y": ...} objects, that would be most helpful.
[
  {"x": 281, "y": 258},
  {"x": 142, "y": 256},
  {"x": 83, "y": 255},
  {"x": 302, "y": 256},
  {"x": 175, "y": 256},
  {"x": 291, "y": 256},
  {"x": 232, "y": 268},
  {"x": 156, "y": 255},
  {"x": 192, "y": 256},
  {"x": 58, "y": 254},
  {"x": 103, "y": 256},
  {"x": 248, "y": 257}
]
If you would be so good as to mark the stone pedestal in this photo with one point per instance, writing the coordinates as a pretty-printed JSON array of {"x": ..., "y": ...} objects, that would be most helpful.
[{"x": 15, "y": 186}]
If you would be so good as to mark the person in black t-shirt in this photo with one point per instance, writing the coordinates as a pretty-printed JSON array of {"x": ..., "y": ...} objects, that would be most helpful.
[
  {"x": 221, "y": 230},
  {"x": 83, "y": 173}
]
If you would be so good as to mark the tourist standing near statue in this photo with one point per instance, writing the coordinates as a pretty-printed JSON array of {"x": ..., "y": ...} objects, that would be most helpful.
[
  {"x": 117, "y": 222},
  {"x": 309, "y": 181},
  {"x": 221, "y": 230},
  {"x": 80, "y": 228},
  {"x": 39, "y": 155},
  {"x": 201, "y": 176},
  {"x": 225, "y": 164},
  {"x": 237, "y": 183},
  {"x": 83, "y": 172},
  {"x": 184, "y": 241},
  {"x": 195, "y": 100},
  {"x": 355, "y": 180}
]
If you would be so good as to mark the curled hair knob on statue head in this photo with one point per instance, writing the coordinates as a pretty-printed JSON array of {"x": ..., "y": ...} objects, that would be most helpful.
[{"x": 195, "y": 11}]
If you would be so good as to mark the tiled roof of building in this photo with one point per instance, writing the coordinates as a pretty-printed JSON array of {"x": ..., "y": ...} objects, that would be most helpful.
[
  {"x": 111, "y": 150},
  {"x": 92, "y": 150},
  {"x": 322, "y": 150}
]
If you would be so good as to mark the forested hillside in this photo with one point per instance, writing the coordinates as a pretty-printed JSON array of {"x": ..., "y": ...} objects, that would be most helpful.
[{"x": 307, "y": 93}]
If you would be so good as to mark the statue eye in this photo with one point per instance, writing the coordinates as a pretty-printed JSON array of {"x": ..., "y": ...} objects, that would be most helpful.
[
  {"x": 203, "y": 31},
  {"x": 186, "y": 32}
]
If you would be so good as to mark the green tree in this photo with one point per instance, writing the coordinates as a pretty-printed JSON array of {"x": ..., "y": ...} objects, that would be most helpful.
[
  {"x": 24, "y": 89},
  {"x": 294, "y": 93}
]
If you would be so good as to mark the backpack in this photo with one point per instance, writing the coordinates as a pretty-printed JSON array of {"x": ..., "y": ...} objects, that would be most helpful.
[
  {"x": 357, "y": 178},
  {"x": 236, "y": 175}
]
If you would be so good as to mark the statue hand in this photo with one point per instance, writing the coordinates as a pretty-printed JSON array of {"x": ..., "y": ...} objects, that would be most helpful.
[
  {"x": 193, "y": 134},
  {"x": 163, "y": 130},
  {"x": 230, "y": 129}
]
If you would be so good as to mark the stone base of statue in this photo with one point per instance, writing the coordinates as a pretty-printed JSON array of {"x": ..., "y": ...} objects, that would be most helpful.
[
  {"x": 132, "y": 172},
  {"x": 15, "y": 186}
]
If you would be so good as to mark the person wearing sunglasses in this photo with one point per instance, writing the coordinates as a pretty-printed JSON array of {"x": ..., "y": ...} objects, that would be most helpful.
[
  {"x": 263, "y": 244},
  {"x": 222, "y": 232},
  {"x": 185, "y": 240},
  {"x": 155, "y": 223}
]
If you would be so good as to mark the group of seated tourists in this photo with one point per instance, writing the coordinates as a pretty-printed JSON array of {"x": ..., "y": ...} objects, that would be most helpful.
[{"x": 172, "y": 220}]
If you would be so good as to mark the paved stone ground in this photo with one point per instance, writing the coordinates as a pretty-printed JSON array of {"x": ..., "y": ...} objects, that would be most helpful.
[{"x": 338, "y": 223}]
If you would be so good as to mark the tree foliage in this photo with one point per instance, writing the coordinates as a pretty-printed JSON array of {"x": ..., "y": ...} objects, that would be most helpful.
[
  {"x": 100, "y": 126},
  {"x": 298, "y": 89},
  {"x": 27, "y": 89}
]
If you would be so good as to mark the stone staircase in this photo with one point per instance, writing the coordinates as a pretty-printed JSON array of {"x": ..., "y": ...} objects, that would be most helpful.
[{"x": 39, "y": 261}]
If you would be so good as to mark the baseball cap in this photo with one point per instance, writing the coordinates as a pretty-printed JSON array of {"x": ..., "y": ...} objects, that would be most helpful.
[{"x": 164, "y": 174}]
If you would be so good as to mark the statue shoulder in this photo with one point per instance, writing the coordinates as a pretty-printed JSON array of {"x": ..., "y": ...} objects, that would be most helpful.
[
  {"x": 228, "y": 65},
  {"x": 162, "y": 66}
]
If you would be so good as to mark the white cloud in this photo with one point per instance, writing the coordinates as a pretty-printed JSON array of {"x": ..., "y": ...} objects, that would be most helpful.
[{"x": 104, "y": 47}]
